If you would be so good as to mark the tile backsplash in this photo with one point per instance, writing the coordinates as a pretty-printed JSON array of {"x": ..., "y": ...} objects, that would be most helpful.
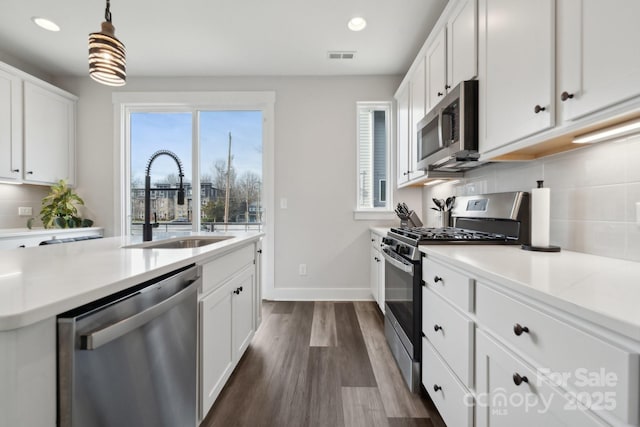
[
  {"x": 14, "y": 196},
  {"x": 595, "y": 195}
]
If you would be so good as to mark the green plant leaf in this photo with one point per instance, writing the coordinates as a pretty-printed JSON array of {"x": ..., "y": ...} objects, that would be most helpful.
[{"x": 60, "y": 222}]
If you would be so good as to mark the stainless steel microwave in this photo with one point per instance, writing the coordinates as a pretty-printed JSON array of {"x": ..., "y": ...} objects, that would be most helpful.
[{"x": 448, "y": 135}]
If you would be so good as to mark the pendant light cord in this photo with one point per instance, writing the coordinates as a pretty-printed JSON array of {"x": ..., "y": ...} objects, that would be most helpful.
[{"x": 107, "y": 12}]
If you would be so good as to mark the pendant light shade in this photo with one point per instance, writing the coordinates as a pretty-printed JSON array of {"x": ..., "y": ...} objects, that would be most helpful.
[{"x": 107, "y": 61}]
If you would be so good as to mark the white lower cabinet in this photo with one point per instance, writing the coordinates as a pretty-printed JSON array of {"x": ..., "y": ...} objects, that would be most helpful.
[
  {"x": 227, "y": 316},
  {"x": 454, "y": 402},
  {"x": 216, "y": 347},
  {"x": 519, "y": 361},
  {"x": 242, "y": 312},
  {"x": 510, "y": 393},
  {"x": 376, "y": 271},
  {"x": 563, "y": 349}
]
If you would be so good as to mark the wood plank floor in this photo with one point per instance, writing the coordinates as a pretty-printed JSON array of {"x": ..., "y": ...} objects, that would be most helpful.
[{"x": 319, "y": 364}]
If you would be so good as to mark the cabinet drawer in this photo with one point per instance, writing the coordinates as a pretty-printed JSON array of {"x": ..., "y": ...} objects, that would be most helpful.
[
  {"x": 450, "y": 333},
  {"x": 449, "y": 283},
  {"x": 579, "y": 361},
  {"x": 218, "y": 271},
  {"x": 511, "y": 393},
  {"x": 454, "y": 402},
  {"x": 376, "y": 240}
]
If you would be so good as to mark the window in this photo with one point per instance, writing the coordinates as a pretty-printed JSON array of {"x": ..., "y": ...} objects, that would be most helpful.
[
  {"x": 374, "y": 157},
  {"x": 229, "y": 147}
]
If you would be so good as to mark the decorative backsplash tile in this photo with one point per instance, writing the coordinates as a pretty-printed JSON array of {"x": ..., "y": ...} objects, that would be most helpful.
[{"x": 594, "y": 191}]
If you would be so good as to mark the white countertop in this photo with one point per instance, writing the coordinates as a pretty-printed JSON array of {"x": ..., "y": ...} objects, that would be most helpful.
[
  {"x": 605, "y": 291},
  {"x": 25, "y": 232},
  {"x": 40, "y": 282}
]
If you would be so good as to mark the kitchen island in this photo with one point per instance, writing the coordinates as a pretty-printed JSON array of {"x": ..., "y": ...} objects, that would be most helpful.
[{"x": 37, "y": 284}]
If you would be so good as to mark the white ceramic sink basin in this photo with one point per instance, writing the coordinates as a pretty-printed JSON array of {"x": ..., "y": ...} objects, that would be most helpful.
[{"x": 181, "y": 242}]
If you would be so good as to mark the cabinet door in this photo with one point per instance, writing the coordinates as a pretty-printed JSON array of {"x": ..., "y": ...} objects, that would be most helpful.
[
  {"x": 418, "y": 101},
  {"x": 599, "y": 61},
  {"x": 462, "y": 43},
  {"x": 10, "y": 127},
  {"x": 516, "y": 70},
  {"x": 258, "y": 290},
  {"x": 49, "y": 135},
  {"x": 216, "y": 351},
  {"x": 381, "y": 283},
  {"x": 403, "y": 141},
  {"x": 373, "y": 273},
  {"x": 436, "y": 70},
  {"x": 534, "y": 402},
  {"x": 242, "y": 291}
]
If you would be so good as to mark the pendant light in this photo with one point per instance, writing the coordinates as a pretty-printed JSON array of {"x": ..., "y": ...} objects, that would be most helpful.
[{"x": 107, "y": 62}]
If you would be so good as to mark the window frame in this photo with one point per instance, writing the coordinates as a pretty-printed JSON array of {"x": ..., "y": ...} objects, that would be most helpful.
[
  {"x": 124, "y": 102},
  {"x": 376, "y": 213}
]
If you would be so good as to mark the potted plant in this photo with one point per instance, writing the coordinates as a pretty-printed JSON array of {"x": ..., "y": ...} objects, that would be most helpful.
[{"x": 60, "y": 208}]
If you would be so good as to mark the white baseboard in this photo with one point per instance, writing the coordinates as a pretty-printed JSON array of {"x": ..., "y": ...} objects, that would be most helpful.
[{"x": 319, "y": 294}]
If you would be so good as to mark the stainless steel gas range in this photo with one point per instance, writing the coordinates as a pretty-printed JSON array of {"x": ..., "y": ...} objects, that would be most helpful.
[{"x": 497, "y": 218}]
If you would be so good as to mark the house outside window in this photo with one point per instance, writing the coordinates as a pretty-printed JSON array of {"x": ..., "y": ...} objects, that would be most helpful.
[{"x": 374, "y": 157}]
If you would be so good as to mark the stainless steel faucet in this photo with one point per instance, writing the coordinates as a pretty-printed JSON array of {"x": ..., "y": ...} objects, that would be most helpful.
[{"x": 147, "y": 227}]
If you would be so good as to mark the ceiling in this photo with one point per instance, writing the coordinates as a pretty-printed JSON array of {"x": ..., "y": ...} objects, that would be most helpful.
[{"x": 224, "y": 37}]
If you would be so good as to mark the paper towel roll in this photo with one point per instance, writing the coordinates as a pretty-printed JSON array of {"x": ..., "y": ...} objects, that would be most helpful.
[{"x": 540, "y": 212}]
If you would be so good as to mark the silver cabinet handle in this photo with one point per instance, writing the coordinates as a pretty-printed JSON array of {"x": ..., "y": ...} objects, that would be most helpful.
[{"x": 109, "y": 333}]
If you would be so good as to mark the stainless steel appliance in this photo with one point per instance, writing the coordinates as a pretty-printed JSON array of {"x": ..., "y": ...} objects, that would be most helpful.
[
  {"x": 130, "y": 359},
  {"x": 447, "y": 139},
  {"x": 498, "y": 218}
]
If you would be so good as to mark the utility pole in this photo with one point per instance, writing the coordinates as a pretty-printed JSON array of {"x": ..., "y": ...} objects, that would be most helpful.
[{"x": 226, "y": 194}]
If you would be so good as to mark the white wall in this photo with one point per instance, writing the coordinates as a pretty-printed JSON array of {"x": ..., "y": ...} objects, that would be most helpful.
[
  {"x": 315, "y": 137},
  {"x": 14, "y": 196},
  {"x": 594, "y": 192}
]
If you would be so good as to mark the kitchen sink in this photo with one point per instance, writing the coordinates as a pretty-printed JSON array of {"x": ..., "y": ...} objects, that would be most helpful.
[{"x": 181, "y": 242}]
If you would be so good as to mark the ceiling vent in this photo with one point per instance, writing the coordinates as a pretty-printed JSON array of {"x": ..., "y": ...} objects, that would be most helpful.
[{"x": 341, "y": 55}]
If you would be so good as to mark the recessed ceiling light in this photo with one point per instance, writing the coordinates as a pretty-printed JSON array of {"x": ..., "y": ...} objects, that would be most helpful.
[
  {"x": 357, "y": 24},
  {"x": 45, "y": 23}
]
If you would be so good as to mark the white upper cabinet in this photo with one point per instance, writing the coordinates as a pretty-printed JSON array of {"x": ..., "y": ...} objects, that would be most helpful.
[
  {"x": 437, "y": 69},
  {"x": 516, "y": 70},
  {"x": 10, "y": 128},
  {"x": 37, "y": 130},
  {"x": 49, "y": 135},
  {"x": 462, "y": 43},
  {"x": 598, "y": 55},
  {"x": 402, "y": 140},
  {"x": 418, "y": 103}
]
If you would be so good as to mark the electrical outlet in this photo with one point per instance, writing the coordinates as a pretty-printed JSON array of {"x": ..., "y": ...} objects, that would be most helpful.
[
  {"x": 25, "y": 211},
  {"x": 283, "y": 203},
  {"x": 302, "y": 269},
  {"x": 638, "y": 213}
]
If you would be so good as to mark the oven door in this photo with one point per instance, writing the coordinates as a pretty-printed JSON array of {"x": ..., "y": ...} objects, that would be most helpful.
[{"x": 399, "y": 295}]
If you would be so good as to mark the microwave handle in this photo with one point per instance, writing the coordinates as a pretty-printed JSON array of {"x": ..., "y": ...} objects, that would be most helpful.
[{"x": 440, "y": 139}]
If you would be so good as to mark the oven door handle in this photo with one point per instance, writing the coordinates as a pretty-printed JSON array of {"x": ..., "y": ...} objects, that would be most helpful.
[{"x": 407, "y": 268}]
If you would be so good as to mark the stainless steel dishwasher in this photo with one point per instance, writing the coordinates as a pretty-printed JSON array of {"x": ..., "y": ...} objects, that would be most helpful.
[{"x": 130, "y": 359}]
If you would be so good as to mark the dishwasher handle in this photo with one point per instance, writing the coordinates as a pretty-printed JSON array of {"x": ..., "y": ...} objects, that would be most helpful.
[{"x": 109, "y": 333}]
